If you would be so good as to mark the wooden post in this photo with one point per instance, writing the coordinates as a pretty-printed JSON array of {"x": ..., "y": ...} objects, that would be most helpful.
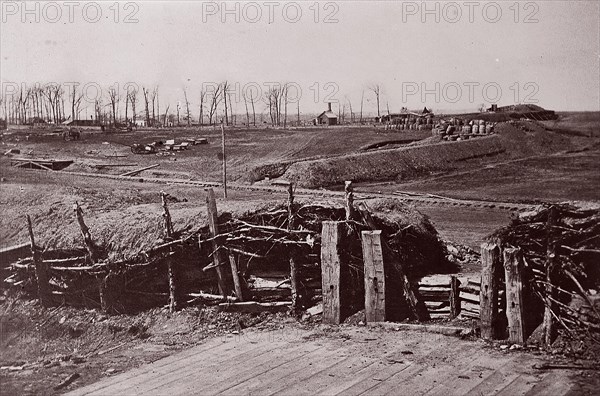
[
  {"x": 374, "y": 276},
  {"x": 488, "y": 295},
  {"x": 549, "y": 326},
  {"x": 417, "y": 308},
  {"x": 213, "y": 225},
  {"x": 85, "y": 232},
  {"x": 454, "y": 297},
  {"x": 236, "y": 278},
  {"x": 41, "y": 272},
  {"x": 331, "y": 271},
  {"x": 171, "y": 270},
  {"x": 513, "y": 266},
  {"x": 293, "y": 266},
  {"x": 349, "y": 195},
  {"x": 106, "y": 302},
  {"x": 224, "y": 160}
]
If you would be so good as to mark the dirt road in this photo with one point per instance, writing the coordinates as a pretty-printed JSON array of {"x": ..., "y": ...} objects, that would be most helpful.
[{"x": 340, "y": 360}]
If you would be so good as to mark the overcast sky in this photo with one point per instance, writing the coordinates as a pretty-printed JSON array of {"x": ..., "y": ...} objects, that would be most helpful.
[{"x": 546, "y": 51}]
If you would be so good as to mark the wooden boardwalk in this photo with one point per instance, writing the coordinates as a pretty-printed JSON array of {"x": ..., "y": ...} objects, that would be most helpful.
[{"x": 338, "y": 361}]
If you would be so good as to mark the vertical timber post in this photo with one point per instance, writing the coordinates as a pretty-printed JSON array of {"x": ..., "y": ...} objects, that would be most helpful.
[
  {"x": 549, "y": 326},
  {"x": 224, "y": 160},
  {"x": 513, "y": 267},
  {"x": 236, "y": 278},
  {"x": 293, "y": 264},
  {"x": 41, "y": 273},
  {"x": 331, "y": 271},
  {"x": 171, "y": 270},
  {"x": 85, "y": 232},
  {"x": 213, "y": 225},
  {"x": 488, "y": 296},
  {"x": 349, "y": 195},
  {"x": 454, "y": 297},
  {"x": 374, "y": 276}
]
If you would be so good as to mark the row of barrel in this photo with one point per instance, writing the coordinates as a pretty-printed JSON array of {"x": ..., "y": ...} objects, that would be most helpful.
[{"x": 409, "y": 127}]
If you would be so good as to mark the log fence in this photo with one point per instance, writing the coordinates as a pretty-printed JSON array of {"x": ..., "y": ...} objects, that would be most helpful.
[{"x": 497, "y": 300}]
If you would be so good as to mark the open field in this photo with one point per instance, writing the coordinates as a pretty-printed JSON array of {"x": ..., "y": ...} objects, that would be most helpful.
[{"x": 246, "y": 148}]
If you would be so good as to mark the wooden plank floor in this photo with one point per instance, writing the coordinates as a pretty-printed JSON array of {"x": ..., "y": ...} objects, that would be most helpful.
[{"x": 337, "y": 361}]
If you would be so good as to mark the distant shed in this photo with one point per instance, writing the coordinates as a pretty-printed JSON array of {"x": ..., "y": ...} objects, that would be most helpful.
[{"x": 327, "y": 117}]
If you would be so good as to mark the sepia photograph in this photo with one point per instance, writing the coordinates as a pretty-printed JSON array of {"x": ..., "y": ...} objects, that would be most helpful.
[{"x": 311, "y": 197}]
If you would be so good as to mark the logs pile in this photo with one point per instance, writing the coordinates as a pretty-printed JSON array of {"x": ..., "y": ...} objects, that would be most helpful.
[{"x": 561, "y": 251}]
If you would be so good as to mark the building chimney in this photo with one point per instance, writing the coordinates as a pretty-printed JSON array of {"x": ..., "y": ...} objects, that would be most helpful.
[{"x": 329, "y": 106}]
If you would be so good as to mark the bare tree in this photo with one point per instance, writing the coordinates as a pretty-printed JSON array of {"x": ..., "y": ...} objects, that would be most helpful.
[
  {"x": 132, "y": 95},
  {"x": 165, "y": 117},
  {"x": 246, "y": 105},
  {"x": 362, "y": 99},
  {"x": 202, "y": 97},
  {"x": 252, "y": 100},
  {"x": 351, "y": 113},
  {"x": 127, "y": 108},
  {"x": 273, "y": 100},
  {"x": 376, "y": 89},
  {"x": 154, "y": 100},
  {"x": 215, "y": 100},
  {"x": 188, "y": 114},
  {"x": 285, "y": 103},
  {"x": 146, "y": 93},
  {"x": 75, "y": 102},
  {"x": 113, "y": 97},
  {"x": 98, "y": 110}
]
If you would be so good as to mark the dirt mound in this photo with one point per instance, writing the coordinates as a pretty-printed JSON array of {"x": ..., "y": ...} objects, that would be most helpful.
[
  {"x": 389, "y": 164},
  {"x": 512, "y": 140}
]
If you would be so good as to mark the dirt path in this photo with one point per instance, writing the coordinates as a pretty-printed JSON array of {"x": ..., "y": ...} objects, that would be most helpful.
[{"x": 340, "y": 360}]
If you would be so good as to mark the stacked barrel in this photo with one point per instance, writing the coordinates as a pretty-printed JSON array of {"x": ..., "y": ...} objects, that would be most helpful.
[{"x": 457, "y": 129}]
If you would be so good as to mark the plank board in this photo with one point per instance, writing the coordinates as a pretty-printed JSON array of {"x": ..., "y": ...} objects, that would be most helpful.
[
  {"x": 348, "y": 361},
  {"x": 374, "y": 276},
  {"x": 331, "y": 271}
]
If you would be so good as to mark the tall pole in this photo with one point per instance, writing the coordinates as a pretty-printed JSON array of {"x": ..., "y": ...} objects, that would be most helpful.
[{"x": 224, "y": 160}]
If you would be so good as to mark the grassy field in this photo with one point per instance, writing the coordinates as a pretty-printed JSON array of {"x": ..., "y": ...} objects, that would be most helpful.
[{"x": 576, "y": 123}]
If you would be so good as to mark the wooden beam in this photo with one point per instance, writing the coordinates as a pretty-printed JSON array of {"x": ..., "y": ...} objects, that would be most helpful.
[
  {"x": 41, "y": 273},
  {"x": 295, "y": 285},
  {"x": 85, "y": 233},
  {"x": 255, "y": 307},
  {"x": 331, "y": 271},
  {"x": 349, "y": 199},
  {"x": 213, "y": 225},
  {"x": 550, "y": 332},
  {"x": 488, "y": 296},
  {"x": 513, "y": 267},
  {"x": 454, "y": 297},
  {"x": 374, "y": 276},
  {"x": 135, "y": 172},
  {"x": 236, "y": 278},
  {"x": 224, "y": 155},
  {"x": 171, "y": 270}
]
